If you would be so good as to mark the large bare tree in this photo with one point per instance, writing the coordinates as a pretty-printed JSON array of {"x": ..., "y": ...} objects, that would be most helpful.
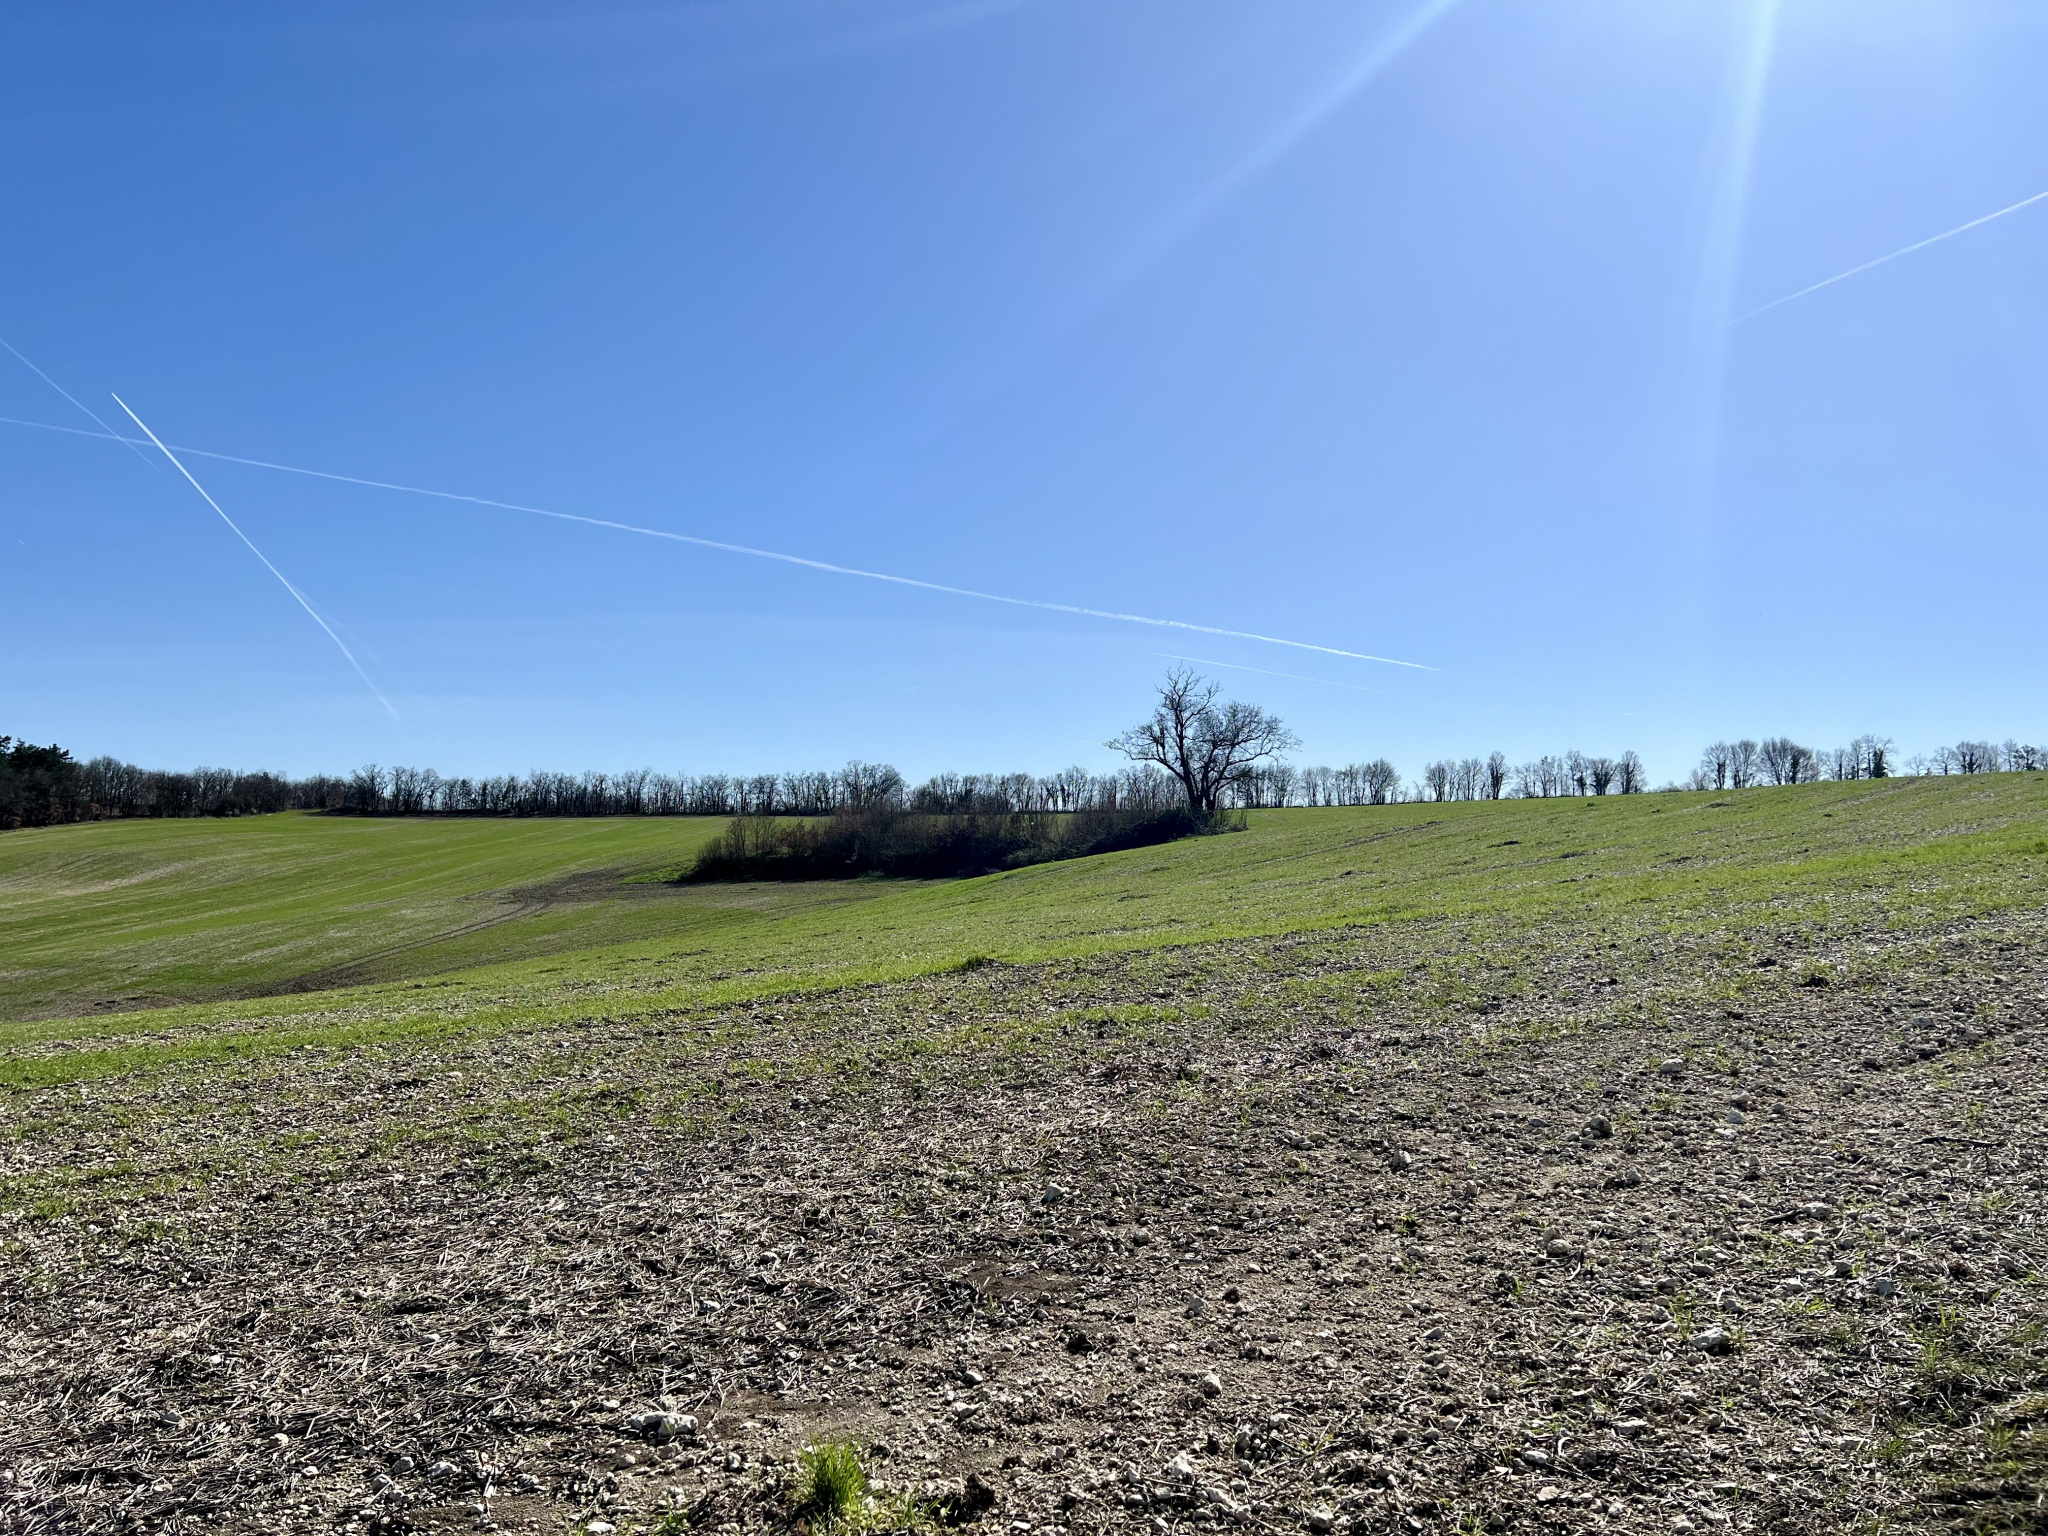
[{"x": 1206, "y": 743}]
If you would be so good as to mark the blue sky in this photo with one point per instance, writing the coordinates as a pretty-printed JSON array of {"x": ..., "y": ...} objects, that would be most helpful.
[{"x": 1395, "y": 328}]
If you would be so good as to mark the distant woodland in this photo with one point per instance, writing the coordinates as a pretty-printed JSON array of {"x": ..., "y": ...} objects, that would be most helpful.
[{"x": 45, "y": 786}]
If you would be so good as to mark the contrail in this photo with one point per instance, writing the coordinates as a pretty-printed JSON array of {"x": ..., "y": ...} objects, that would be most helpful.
[
  {"x": 1204, "y": 661},
  {"x": 1905, "y": 250},
  {"x": 89, "y": 411},
  {"x": 311, "y": 611},
  {"x": 740, "y": 549}
]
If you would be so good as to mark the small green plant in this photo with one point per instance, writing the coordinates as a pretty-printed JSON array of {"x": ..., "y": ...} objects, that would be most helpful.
[{"x": 830, "y": 1484}]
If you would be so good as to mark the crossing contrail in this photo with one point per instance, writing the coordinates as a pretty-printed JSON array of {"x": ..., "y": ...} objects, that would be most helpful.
[
  {"x": 311, "y": 612},
  {"x": 135, "y": 447},
  {"x": 1904, "y": 250},
  {"x": 731, "y": 549}
]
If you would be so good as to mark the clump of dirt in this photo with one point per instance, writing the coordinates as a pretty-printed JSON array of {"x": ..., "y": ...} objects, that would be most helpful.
[{"x": 1242, "y": 1235}]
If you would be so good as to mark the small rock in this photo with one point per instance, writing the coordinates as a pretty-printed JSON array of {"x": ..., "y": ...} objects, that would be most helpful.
[
  {"x": 1400, "y": 1162},
  {"x": 1671, "y": 1066},
  {"x": 1884, "y": 1285},
  {"x": 1599, "y": 1128},
  {"x": 1055, "y": 1194},
  {"x": 1233, "y": 1295},
  {"x": 441, "y": 1469},
  {"x": 1180, "y": 1469},
  {"x": 1079, "y": 1343},
  {"x": 1212, "y": 1385},
  {"x": 600, "y": 1528},
  {"x": 1320, "y": 1521},
  {"x": 1195, "y": 1308},
  {"x": 1714, "y": 1341},
  {"x": 1630, "y": 1429},
  {"x": 1548, "y": 1494},
  {"x": 661, "y": 1428},
  {"x": 403, "y": 1465}
]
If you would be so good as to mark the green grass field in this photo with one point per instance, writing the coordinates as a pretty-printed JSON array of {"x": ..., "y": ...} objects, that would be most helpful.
[{"x": 209, "y": 937}]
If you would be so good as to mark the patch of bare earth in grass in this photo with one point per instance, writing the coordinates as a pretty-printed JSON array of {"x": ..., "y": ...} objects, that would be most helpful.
[{"x": 1329, "y": 1234}]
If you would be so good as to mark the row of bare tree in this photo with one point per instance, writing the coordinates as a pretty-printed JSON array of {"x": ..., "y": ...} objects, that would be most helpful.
[
  {"x": 858, "y": 787},
  {"x": 1781, "y": 760},
  {"x": 1197, "y": 750}
]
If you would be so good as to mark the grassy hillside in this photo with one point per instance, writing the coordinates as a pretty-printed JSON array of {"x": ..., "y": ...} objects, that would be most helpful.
[
  {"x": 141, "y": 913},
  {"x": 199, "y": 909}
]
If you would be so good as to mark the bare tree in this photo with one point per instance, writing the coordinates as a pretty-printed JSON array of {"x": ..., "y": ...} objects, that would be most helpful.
[
  {"x": 1787, "y": 762},
  {"x": 1206, "y": 744},
  {"x": 1742, "y": 764},
  {"x": 1630, "y": 777},
  {"x": 1496, "y": 775},
  {"x": 1379, "y": 781},
  {"x": 1974, "y": 757},
  {"x": 1715, "y": 764}
]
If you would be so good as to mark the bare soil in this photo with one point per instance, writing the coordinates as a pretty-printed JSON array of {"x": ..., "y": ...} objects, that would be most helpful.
[{"x": 1313, "y": 1234}]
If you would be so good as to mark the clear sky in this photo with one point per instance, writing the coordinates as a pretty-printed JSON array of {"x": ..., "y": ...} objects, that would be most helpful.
[{"x": 1411, "y": 328}]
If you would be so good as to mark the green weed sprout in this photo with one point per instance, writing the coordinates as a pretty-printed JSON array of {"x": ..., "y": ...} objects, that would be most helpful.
[{"x": 830, "y": 1484}]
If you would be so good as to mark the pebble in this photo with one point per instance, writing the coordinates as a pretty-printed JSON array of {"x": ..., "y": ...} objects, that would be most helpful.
[
  {"x": 661, "y": 1428},
  {"x": 1056, "y": 1193},
  {"x": 1180, "y": 1469},
  {"x": 403, "y": 1465},
  {"x": 1321, "y": 1521},
  {"x": 1671, "y": 1066},
  {"x": 441, "y": 1469},
  {"x": 600, "y": 1528},
  {"x": 1714, "y": 1341},
  {"x": 1196, "y": 1308},
  {"x": 1212, "y": 1385},
  {"x": 1599, "y": 1128}
]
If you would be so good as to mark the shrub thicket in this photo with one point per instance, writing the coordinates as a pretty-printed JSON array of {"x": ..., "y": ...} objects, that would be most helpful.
[{"x": 919, "y": 846}]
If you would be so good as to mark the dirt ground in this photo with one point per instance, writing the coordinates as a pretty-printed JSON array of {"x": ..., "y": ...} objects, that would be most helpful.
[{"x": 1314, "y": 1234}]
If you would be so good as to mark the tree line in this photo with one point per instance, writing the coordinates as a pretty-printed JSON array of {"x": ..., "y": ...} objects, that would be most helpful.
[{"x": 46, "y": 786}]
